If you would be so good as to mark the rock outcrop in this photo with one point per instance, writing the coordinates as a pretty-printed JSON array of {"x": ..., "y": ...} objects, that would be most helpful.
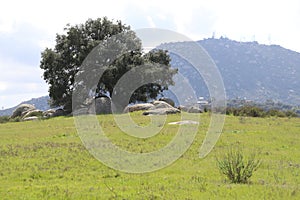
[
  {"x": 26, "y": 112},
  {"x": 161, "y": 104},
  {"x": 191, "y": 109},
  {"x": 168, "y": 100},
  {"x": 21, "y": 110},
  {"x": 154, "y": 108},
  {"x": 48, "y": 113},
  {"x": 138, "y": 107},
  {"x": 101, "y": 105},
  {"x": 59, "y": 112},
  {"x": 33, "y": 113},
  {"x": 184, "y": 122},
  {"x": 30, "y": 118},
  {"x": 161, "y": 108},
  {"x": 161, "y": 111}
]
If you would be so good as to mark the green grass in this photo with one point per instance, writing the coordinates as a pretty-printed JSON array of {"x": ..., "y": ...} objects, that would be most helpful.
[{"x": 46, "y": 160}]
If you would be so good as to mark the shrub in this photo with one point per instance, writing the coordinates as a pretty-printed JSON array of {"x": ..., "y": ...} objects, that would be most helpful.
[
  {"x": 16, "y": 119},
  {"x": 251, "y": 111},
  {"x": 237, "y": 167},
  {"x": 246, "y": 111},
  {"x": 275, "y": 113},
  {"x": 4, "y": 119},
  {"x": 290, "y": 113},
  {"x": 254, "y": 111}
]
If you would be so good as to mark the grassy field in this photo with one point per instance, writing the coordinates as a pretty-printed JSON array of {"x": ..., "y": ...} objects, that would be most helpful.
[{"x": 46, "y": 160}]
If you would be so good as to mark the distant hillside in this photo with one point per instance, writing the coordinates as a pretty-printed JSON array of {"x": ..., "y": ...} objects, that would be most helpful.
[
  {"x": 40, "y": 103},
  {"x": 250, "y": 70}
]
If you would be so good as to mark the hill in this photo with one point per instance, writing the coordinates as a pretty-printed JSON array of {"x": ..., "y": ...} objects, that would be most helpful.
[
  {"x": 249, "y": 70},
  {"x": 40, "y": 103}
]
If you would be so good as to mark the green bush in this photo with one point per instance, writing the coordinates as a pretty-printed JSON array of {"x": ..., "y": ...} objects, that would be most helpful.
[
  {"x": 254, "y": 111},
  {"x": 16, "y": 119},
  {"x": 236, "y": 166},
  {"x": 246, "y": 111},
  {"x": 290, "y": 113},
  {"x": 275, "y": 113},
  {"x": 4, "y": 119}
]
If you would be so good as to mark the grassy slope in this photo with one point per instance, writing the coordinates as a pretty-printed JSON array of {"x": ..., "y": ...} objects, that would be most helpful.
[{"x": 46, "y": 160}]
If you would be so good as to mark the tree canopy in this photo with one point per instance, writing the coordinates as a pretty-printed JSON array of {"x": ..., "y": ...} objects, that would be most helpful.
[{"x": 62, "y": 63}]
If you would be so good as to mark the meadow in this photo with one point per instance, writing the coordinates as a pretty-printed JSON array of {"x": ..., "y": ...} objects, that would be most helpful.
[{"x": 46, "y": 159}]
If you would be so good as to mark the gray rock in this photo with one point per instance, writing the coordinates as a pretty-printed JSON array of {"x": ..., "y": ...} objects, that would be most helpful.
[
  {"x": 183, "y": 108},
  {"x": 183, "y": 122},
  {"x": 58, "y": 112},
  {"x": 102, "y": 106},
  {"x": 33, "y": 113},
  {"x": 161, "y": 111},
  {"x": 48, "y": 113},
  {"x": 168, "y": 100},
  {"x": 21, "y": 110},
  {"x": 190, "y": 109},
  {"x": 194, "y": 109},
  {"x": 138, "y": 107},
  {"x": 161, "y": 104},
  {"x": 32, "y": 118}
]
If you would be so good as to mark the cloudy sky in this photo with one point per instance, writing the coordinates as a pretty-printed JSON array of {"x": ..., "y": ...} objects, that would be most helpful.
[{"x": 28, "y": 27}]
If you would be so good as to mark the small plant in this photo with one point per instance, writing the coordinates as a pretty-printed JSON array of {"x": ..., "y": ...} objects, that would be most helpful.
[
  {"x": 236, "y": 166},
  {"x": 202, "y": 183}
]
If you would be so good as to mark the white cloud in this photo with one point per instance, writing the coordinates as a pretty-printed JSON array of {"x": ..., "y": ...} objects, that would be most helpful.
[
  {"x": 6, "y": 26},
  {"x": 19, "y": 82},
  {"x": 245, "y": 19},
  {"x": 3, "y": 86},
  {"x": 150, "y": 21},
  {"x": 233, "y": 18}
]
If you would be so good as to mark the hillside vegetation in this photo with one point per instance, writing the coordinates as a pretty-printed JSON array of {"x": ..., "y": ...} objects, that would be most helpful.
[
  {"x": 249, "y": 70},
  {"x": 46, "y": 160}
]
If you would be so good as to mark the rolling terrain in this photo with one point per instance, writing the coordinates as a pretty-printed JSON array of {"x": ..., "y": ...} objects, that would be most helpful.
[{"x": 46, "y": 160}]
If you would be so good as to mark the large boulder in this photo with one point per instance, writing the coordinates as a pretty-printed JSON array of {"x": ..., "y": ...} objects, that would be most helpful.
[
  {"x": 32, "y": 118},
  {"x": 33, "y": 113},
  {"x": 48, "y": 113},
  {"x": 161, "y": 108},
  {"x": 183, "y": 108},
  {"x": 102, "y": 106},
  {"x": 191, "y": 109},
  {"x": 161, "y": 104},
  {"x": 194, "y": 109},
  {"x": 138, "y": 107},
  {"x": 154, "y": 108},
  {"x": 59, "y": 112},
  {"x": 168, "y": 100},
  {"x": 161, "y": 111},
  {"x": 21, "y": 110},
  {"x": 184, "y": 122}
]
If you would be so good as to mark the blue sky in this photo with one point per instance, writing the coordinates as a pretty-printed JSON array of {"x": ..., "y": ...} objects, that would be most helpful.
[{"x": 28, "y": 27}]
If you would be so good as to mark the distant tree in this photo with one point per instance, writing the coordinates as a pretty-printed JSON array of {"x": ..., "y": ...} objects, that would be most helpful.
[{"x": 62, "y": 63}]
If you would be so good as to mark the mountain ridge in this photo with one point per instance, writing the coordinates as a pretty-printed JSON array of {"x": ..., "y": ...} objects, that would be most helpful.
[
  {"x": 40, "y": 103},
  {"x": 249, "y": 70}
]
